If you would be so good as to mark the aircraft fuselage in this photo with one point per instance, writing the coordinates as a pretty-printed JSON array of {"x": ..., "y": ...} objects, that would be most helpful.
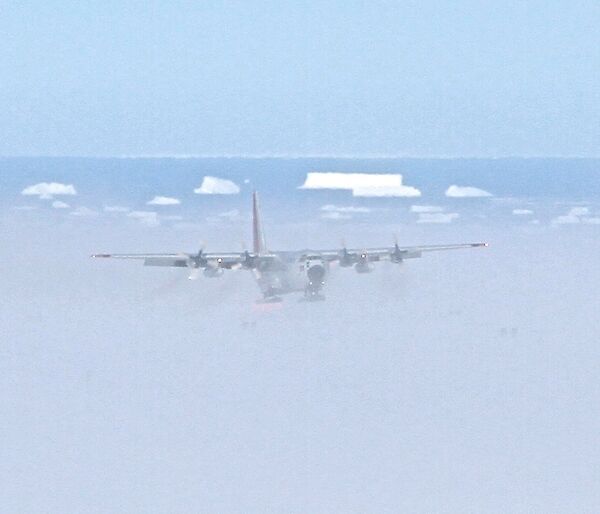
[{"x": 291, "y": 272}]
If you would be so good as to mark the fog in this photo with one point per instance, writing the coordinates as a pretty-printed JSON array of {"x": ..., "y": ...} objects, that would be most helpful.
[{"x": 459, "y": 382}]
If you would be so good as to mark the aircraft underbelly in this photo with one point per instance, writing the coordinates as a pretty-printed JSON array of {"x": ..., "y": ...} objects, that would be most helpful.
[{"x": 281, "y": 281}]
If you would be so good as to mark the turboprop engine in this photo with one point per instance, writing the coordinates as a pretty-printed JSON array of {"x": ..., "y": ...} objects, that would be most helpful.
[
  {"x": 346, "y": 258},
  {"x": 362, "y": 264},
  {"x": 212, "y": 272},
  {"x": 210, "y": 269},
  {"x": 397, "y": 255},
  {"x": 195, "y": 263}
]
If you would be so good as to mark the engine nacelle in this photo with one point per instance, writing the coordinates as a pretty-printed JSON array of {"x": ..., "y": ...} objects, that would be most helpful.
[
  {"x": 346, "y": 259},
  {"x": 362, "y": 267},
  {"x": 316, "y": 269},
  {"x": 316, "y": 273},
  {"x": 212, "y": 272}
]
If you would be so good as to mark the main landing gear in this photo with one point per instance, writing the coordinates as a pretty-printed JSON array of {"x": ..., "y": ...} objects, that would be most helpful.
[
  {"x": 270, "y": 296},
  {"x": 270, "y": 299},
  {"x": 312, "y": 294}
]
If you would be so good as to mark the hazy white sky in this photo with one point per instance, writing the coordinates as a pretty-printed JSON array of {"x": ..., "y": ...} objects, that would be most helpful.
[{"x": 417, "y": 78}]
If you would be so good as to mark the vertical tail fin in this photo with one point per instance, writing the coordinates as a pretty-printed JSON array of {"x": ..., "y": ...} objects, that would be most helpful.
[{"x": 258, "y": 236}]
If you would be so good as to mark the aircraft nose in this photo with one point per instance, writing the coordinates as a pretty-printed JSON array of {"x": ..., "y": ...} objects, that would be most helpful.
[{"x": 316, "y": 273}]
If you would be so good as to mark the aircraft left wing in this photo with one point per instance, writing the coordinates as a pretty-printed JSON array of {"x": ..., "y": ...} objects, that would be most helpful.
[{"x": 393, "y": 253}]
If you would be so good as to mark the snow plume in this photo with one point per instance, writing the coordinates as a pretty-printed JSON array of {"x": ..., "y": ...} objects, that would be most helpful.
[
  {"x": 361, "y": 184},
  {"x": 466, "y": 192},
  {"x": 48, "y": 190},
  {"x": 217, "y": 186}
]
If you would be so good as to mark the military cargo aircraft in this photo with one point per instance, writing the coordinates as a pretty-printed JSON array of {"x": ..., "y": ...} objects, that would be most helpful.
[{"x": 289, "y": 271}]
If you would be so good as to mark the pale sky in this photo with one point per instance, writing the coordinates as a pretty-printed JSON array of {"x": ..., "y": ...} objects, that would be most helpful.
[{"x": 300, "y": 78}]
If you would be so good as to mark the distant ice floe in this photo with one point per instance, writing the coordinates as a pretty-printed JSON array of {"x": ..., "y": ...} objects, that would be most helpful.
[
  {"x": 163, "y": 200},
  {"x": 361, "y": 184},
  {"x": 57, "y": 204},
  {"x": 148, "y": 218},
  {"x": 84, "y": 212},
  {"x": 579, "y": 211},
  {"x": 345, "y": 209},
  {"x": 48, "y": 190},
  {"x": 217, "y": 186},
  {"x": 116, "y": 208},
  {"x": 425, "y": 208},
  {"x": 232, "y": 215},
  {"x": 433, "y": 214},
  {"x": 336, "y": 215},
  {"x": 522, "y": 212},
  {"x": 576, "y": 215},
  {"x": 565, "y": 220},
  {"x": 455, "y": 191},
  {"x": 437, "y": 217},
  {"x": 342, "y": 212}
]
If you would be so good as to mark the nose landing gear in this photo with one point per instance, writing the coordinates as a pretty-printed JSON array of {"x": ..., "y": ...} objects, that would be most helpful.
[{"x": 312, "y": 292}]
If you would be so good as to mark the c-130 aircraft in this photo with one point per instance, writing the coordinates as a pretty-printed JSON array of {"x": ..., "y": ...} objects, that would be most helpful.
[{"x": 283, "y": 272}]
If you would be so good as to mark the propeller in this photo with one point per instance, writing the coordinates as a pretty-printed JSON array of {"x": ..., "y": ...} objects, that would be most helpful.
[
  {"x": 195, "y": 262},
  {"x": 397, "y": 254},
  {"x": 346, "y": 258},
  {"x": 248, "y": 260}
]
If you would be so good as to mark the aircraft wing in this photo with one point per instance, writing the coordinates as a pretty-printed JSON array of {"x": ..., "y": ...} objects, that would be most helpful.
[
  {"x": 391, "y": 253},
  {"x": 225, "y": 260}
]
